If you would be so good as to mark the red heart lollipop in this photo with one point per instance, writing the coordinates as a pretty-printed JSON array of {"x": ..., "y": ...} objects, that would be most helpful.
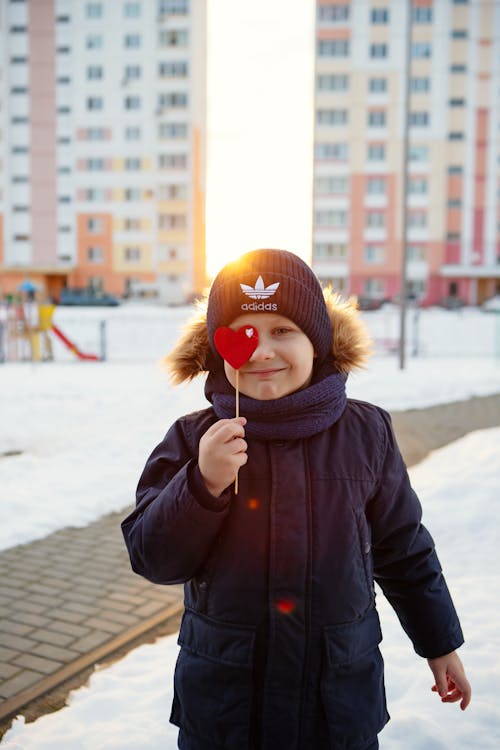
[{"x": 236, "y": 347}]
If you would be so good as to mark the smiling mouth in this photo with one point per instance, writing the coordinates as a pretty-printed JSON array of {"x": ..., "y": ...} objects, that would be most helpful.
[{"x": 265, "y": 372}]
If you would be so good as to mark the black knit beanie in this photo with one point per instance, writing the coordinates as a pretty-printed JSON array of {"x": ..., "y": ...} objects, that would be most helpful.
[{"x": 271, "y": 281}]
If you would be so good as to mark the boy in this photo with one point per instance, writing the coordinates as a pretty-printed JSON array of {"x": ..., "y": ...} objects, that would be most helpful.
[{"x": 279, "y": 639}]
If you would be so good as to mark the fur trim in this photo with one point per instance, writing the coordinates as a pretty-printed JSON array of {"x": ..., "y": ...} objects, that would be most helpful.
[{"x": 351, "y": 344}]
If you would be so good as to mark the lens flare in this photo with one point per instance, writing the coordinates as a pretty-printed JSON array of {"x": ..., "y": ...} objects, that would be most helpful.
[{"x": 253, "y": 503}]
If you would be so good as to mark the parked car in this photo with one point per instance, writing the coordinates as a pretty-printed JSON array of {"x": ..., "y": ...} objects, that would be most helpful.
[
  {"x": 87, "y": 298},
  {"x": 492, "y": 304},
  {"x": 370, "y": 303},
  {"x": 452, "y": 302}
]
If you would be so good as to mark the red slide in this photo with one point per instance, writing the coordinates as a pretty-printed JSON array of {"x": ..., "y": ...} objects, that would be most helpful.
[{"x": 73, "y": 347}]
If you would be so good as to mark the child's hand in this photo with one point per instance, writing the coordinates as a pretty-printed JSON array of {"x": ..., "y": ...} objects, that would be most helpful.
[
  {"x": 451, "y": 682},
  {"x": 222, "y": 452}
]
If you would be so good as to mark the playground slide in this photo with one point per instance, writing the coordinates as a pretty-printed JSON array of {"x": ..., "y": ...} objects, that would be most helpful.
[{"x": 73, "y": 347}]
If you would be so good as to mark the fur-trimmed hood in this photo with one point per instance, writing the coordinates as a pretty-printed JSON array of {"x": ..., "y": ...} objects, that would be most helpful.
[{"x": 351, "y": 344}]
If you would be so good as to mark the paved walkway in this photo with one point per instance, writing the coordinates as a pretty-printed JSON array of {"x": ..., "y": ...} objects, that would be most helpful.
[
  {"x": 67, "y": 601},
  {"x": 71, "y": 599}
]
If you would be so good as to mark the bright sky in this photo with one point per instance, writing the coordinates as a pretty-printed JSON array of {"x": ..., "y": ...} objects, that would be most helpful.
[{"x": 260, "y": 127}]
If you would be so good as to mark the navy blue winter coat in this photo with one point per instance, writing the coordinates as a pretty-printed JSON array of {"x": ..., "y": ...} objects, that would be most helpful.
[{"x": 280, "y": 636}]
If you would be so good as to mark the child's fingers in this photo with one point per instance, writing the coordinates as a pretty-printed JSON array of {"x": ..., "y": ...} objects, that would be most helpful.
[{"x": 227, "y": 429}]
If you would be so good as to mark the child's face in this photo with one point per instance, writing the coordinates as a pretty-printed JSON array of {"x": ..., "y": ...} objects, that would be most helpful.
[{"x": 282, "y": 362}]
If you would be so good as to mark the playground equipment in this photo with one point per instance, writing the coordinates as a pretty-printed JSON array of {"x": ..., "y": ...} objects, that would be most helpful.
[{"x": 25, "y": 325}]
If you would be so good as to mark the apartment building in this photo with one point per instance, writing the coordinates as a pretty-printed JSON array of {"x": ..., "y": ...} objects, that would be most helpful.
[
  {"x": 102, "y": 145},
  {"x": 453, "y": 188}
]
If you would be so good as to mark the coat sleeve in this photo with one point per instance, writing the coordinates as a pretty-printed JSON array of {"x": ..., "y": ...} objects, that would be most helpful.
[
  {"x": 176, "y": 519},
  {"x": 406, "y": 565}
]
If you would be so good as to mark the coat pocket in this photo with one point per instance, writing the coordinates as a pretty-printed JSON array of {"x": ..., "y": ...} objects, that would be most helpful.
[
  {"x": 352, "y": 682},
  {"x": 213, "y": 681}
]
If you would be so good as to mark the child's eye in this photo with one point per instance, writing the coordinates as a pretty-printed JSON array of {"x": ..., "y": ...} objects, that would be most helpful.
[{"x": 281, "y": 331}]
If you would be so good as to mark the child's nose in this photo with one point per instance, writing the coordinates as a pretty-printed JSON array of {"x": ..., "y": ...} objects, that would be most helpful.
[{"x": 263, "y": 351}]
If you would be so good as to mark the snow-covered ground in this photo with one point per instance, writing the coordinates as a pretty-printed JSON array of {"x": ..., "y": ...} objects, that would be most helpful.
[
  {"x": 74, "y": 437},
  {"x": 127, "y": 705}
]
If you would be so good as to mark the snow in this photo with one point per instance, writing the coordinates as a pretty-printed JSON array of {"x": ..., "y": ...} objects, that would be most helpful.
[
  {"x": 83, "y": 431},
  {"x": 127, "y": 705}
]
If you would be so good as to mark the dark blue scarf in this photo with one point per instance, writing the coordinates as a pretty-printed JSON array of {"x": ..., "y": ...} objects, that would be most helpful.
[{"x": 299, "y": 415}]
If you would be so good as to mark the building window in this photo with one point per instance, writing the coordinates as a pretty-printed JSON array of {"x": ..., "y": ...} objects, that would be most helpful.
[
  {"x": 376, "y": 186},
  {"x": 63, "y": 50},
  {"x": 375, "y": 219},
  {"x": 459, "y": 34},
  {"x": 132, "y": 133},
  {"x": 172, "y": 221},
  {"x": 422, "y": 14},
  {"x": 456, "y": 102},
  {"x": 95, "y": 255},
  {"x": 337, "y": 151},
  {"x": 132, "y": 102},
  {"x": 18, "y": 29},
  {"x": 333, "y": 12},
  {"x": 420, "y": 50},
  {"x": 174, "y": 7},
  {"x": 454, "y": 203},
  {"x": 172, "y": 191},
  {"x": 20, "y": 209},
  {"x": 328, "y": 185},
  {"x": 173, "y": 161},
  {"x": 456, "y": 135},
  {"x": 133, "y": 164},
  {"x": 93, "y": 41},
  {"x": 374, "y": 288},
  {"x": 132, "y": 41},
  {"x": 377, "y": 85},
  {"x": 377, "y": 118},
  {"x": 132, "y": 10},
  {"x": 132, "y": 73},
  {"x": 376, "y": 152},
  {"x": 330, "y": 251},
  {"x": 416, "y": 252},
  {"x": 95, "y": 194},
  {"x": 453, "y": 237},
  {"x": 418, "y": 153},
  {"x": 19, "y": 60},
  {"x": 132, "y": 225},
  {"x": 173, "y": 130},
  {"x": 455, "y": 169},
  {"x": 94, "y": 103},
  {"x": 417, "y": 186},
  {"x": 19, "y": 90},
  {"x": 95, "y": 225},
  {"x": 333, "y": 82},
  {"x": 20, "y": 120},
  {"x": 95, "y": 164},
  {"x": 132, "y": 254},
  {"x": 20, "y": 179},
  {"x": 332, "y": 116},
  {"x": 173, "y": 69},
  {"x": 374, "y": 254},
  {"x": 379, "y": 15},
  {"x": 132, "y": 194},
  {"x": 173, "y": 38},
  {"x": 417, "y": 219},
  {"x": 63, "y": 80},
  {"x": 379, "y": 51},
  {"x": 331, "y": 218},
  {"x": 95, "y": 72},
  {"x": 333, "y": 48},
  {"x": 93, "y": 10},
  {"x": 172, "y": 100},
  {"x": 63, "y": 19},
  {"x": 20, "y": 150},
  {"x": 420, "y": 85},
  {"x": 458, "y": 68},
  {"x": 419, "y": 119},
  {"x": 95, "y": 134}
]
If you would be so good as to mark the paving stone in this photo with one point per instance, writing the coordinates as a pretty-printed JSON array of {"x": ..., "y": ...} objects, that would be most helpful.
[
  {"x": 149, "y": 609},
  {"x": 7, "y": 654},
  {"x": 17, "y": 642},
  {"x": 17, "y": 628},
  {"x": 89, "y": 642},
  {"x": 7, "y": 670},
  {"x": 80, "y": 609},
  {"x": 46, "y": 601},
  {"x": 26, "y": 605},
  {"x": 40, "y": 588},
  {"x": 110, "y": 603},
  {"x": 69, "y": 628},
  {"x": 122, "y": 617},
  {"x": 49, "y": 651},
  {"x": 10, "y": 592},
  {"x": 28, "y": 619},
  {"x": 98, "y": 623},
  {"x": 50, "y": 636},
  {"x": 37, "y": 663},
  {"x": 19, "y": 682}
]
